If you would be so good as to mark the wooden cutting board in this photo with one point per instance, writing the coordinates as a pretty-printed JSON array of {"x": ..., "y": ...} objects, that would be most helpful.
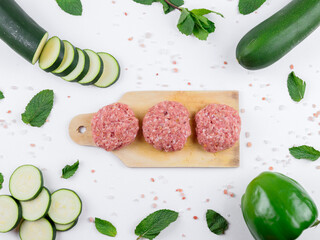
[{"x": 142, "y": 154}]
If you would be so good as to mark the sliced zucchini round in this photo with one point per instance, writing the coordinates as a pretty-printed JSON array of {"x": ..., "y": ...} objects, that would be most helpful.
[
  {"x": 95, "y": 68},
  {"x": 69, "y": 62},
  {"x": 38, "y": 230},
  {"x": 26, "y": 183},
  {"x": 52, "y": 55},
  {"x": 111, "y": 71},
  {"x": 81, "y": 69},
  {"x": 10, "y": 213},
  {"x": 37, "y": 208},
  {"x": 65, "y": 227},
  {"x": 65, "y": 206}
]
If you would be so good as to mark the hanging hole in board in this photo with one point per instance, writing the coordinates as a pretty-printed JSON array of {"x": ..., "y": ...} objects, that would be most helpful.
[{"x": 82, "y": 129}]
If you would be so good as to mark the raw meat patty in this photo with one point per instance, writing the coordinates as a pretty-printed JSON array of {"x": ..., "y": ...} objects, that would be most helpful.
[
  {"x": 114, "y": 126},
  {"x": 166, "y": 126},
  {"x": 218, "y": 127}
]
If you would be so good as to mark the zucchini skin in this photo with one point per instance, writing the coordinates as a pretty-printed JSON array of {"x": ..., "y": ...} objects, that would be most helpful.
[
  {"x": 18, "y": 30},
  {"x": 85, "y": 69},
  {"x": 275, "y": 37}
]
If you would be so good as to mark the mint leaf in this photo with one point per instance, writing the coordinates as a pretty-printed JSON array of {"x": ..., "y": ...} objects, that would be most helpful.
[
  {"x": 249, "y": 6},
  {"x": 168, "y": 8},
  {"x": 296, "y": 87},
  {"x": 200, "y": 33},
  {"x": 152, "y": 225},
  {"x": 1, "y": 95},
  {"x": 38, "y": 109},
  {"x": 1, "y": 180},
  {"x": 68, "y": 171},
  {"x": 145, "y": 2},
  {"x": 186, "y": 22},
  {"x": 73, "y": 7},
  {"x": 105, "y": 227},
  {"x": 305, "y": 152},
  {"x": 203, "y": 11},
  {"x": 216, "y": 223}
]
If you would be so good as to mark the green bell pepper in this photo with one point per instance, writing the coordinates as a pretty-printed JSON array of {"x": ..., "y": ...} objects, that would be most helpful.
[{"x": 275, "y": 207}]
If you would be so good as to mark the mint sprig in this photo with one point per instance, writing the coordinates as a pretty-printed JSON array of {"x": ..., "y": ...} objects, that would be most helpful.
[
  {"x": 305, "y": 152},
  {"x": 68, "y": 171},
  {"x": 190, "y": 22},
  {"x": 249, "y": 6},
  {"x": 1, "y": 95},
  {"x": 38, "y": 109},
  {"x": 104, "y": 227},
  {"x": 296, "y": 87},
  {"x": 152, "y": 225},
  {"x": 1, "y": 180},
  {"x": 73, "y": 7}
]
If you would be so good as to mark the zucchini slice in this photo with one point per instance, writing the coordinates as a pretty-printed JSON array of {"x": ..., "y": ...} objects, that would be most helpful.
[
  {"x": 37, "y": 230},
  {"x": 111, "y": 71},
  {"x": 81, "y": 69},
  {"x": 20, "y": 31},
  {"x": 26, "y": 183},
  {"x": 65, "y": 227},
  {"x": 95, "y": 69},
  {"x": 69, "y": 62},
  {"x": 37, "y": 208},
  {"x": 52, "y": 55},
  {"x": 10, "y": 213},
  {"x": 65, "y": 206}
]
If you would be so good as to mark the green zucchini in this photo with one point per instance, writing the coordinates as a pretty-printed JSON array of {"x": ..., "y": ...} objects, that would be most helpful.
[
  {"x": 111, "y": 71},
  {"x": 81, "y": 69},
  {"x": 69, "y": 62},
  {"x": 65, "y": 227},
  {"x": 52, "y": 55},
  {"x": 272, "y": 39},
  {"x": 21, "y": 32},
  {"x": 26, "y": 183},
  {"x": 41, "y": 229},
  {"x": 10, "y": 213},
  {"x": 95, "y": 68}
]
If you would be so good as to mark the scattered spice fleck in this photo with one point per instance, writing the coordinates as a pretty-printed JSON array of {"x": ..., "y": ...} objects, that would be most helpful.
[
  {"x": 189, "y": 83},
  {"x": 188, "y": 209},
  {"x": 263, "y": 99},
  {"x": 154, "y": 205},
  {"x": 142, "y": 195},
  {"x": 93, "y": 171},
  {"x": 291, "y": 66},
  {"x": 250, "y": 85},
  {"x": 225, "y": 62},
  {"x": 195, "y": 218},
  {"x": 157, "y": 74},
  {"x": 152, "y": 180},
  {"x": 225, "y": 191},
  {"x": 270, "y": 168},
  {"x": 207, "y": 200},
  {"x": 32, "y": 145},
  {"x": 155, "y": 198},
  {"x": 183, "y": 235},
  {"x": 249, "y": 144},
  {"x": 130, "y": 38},
  {"x": 175, "y": 70},
  {"x": 183, "y": 198},
  {"x": 174, "y": 62},
  {"x": 232, "y": 195},
  {"x": 242, "y": 110},
  {"x": 9, "y": 111},
  {"x": 179, "y": 190},
  {"x": 126, "y": 14},
  {"x": 91, "y": 219}
]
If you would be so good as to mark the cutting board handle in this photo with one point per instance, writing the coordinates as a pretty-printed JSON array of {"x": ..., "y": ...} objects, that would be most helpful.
[{"x": 80, "y": 130}]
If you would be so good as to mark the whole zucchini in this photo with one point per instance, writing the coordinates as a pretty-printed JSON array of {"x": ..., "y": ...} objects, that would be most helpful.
[
  {"x": 272, "y": 39},
  {"x": 20, "y": 32}
]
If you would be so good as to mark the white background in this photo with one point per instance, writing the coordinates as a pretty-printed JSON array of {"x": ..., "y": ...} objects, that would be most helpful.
[{"x": 114, "y": 191}]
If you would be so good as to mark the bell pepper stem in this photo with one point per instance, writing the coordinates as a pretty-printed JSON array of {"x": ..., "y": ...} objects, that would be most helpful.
[{"x": 316, "y": 223}]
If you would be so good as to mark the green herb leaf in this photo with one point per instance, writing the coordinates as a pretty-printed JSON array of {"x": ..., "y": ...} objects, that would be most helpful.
[
  {"x": 186, "y": 22},
  {"x": 305, "y": 152},
  {"x": 296, "y": 87},
  {"x": 1, "y": 95},
  {"x": 68, "y": 171},
  {"x": 203, "y": 11},
  {"x": 105, "y": 227},
  {"x": 145, "y": 2},
  {"x": 152, "y": 225},
  {"x": 168, "y": 8},
  {"x": 249, "y": 6},
  {"x": 1, "y": 180},
  {"x": 38, "y": 109},
  {"x": 73, "y": 7},
  {"x": 216, "y": 223}
]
